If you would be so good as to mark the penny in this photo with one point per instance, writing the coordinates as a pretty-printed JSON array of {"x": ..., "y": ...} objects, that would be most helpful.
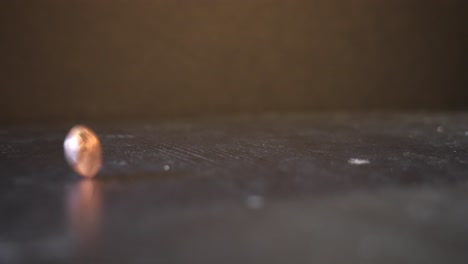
[{"x": 83, "y": 151}]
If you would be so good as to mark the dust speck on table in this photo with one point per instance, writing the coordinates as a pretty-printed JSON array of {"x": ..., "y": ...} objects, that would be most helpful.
[{"x": 357, "y": 161}]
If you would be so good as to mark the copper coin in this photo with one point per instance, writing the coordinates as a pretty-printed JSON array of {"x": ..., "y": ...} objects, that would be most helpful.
[{"x": 83, "y": 151}]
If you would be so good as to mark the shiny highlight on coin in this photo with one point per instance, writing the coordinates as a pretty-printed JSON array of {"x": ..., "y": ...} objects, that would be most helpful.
[{"x": 83, "y": 151}]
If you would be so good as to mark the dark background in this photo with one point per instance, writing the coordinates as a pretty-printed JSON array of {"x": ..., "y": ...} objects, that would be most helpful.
[{"x": 75, "y": 60}]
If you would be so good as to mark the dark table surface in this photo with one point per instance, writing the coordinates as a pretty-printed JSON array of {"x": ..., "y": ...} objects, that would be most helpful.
[{"x": 319, "y": 188}]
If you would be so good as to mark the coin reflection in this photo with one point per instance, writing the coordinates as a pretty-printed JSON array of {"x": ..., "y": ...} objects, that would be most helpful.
[{"x": 84, "y": 212}]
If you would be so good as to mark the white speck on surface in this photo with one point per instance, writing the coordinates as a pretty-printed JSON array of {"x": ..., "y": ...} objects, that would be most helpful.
[
  {"x": 356, "y": 161},
  {"x": 255, "y": 201},
  {"x": 440, "y": 129},
  {"x": 122, "y": 163},
  {"x": 166, "y": 167},
  {"x": 466, "y": 133}
]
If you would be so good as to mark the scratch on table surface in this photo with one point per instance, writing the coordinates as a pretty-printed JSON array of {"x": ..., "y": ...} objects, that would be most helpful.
[{"x": 9, "y": 148}]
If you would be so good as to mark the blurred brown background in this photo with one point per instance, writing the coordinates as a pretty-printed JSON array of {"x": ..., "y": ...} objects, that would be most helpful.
[{"x": 74, "y": 60}]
